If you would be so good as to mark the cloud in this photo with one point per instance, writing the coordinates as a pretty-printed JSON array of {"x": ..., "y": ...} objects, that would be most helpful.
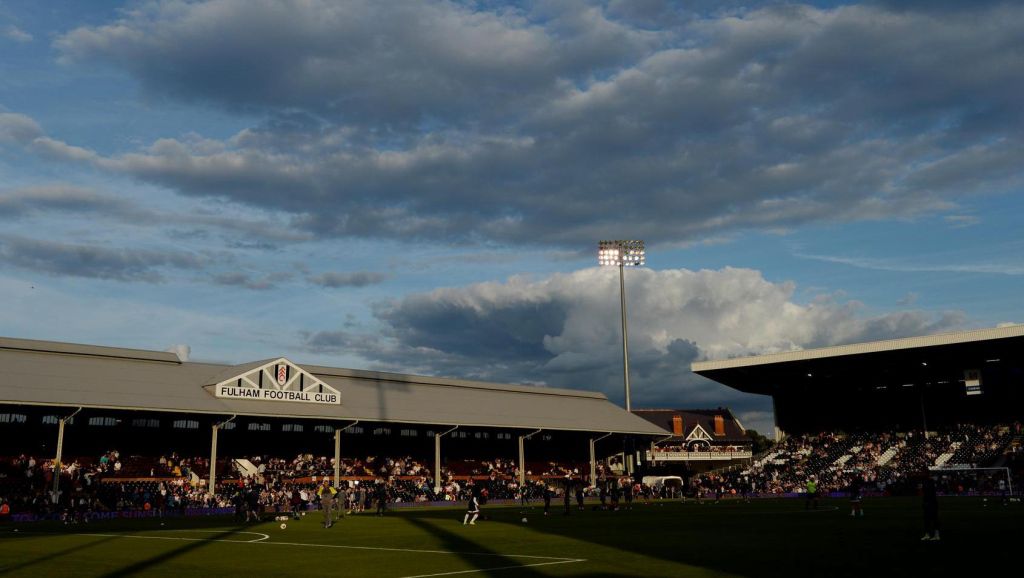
[
  {"x": 902, "y": 267},
  {"x": 564, "y": 331},
  {"x": 92, "y": 261},
  {"x": 247, "y": 281},
  {"x": 46, "y": 199},
  {"x": 12, "y": 32},
  {"x": 18, "y": 128},
  {"x": 557, "y": 126},
  {"x": 909, "y": 299},
  {"x": 962, "y": 221},
  {"x": 334, "y": 279},
  {"x": 16, "y": 203},
  {"x": 362, "y": 61}
]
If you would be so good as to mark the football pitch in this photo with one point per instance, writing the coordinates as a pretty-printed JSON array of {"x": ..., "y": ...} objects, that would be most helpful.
[{"x": 762, "y": 538}]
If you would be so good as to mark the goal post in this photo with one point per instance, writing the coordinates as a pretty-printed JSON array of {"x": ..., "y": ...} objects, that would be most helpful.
[{"x": 981, "y": 481}]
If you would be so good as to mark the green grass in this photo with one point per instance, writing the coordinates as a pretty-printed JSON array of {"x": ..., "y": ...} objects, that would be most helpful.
[{"x": 765, "y": 538}]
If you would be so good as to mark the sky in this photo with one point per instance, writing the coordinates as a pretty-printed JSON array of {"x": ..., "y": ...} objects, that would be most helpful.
[{"x": 420, "y": 187}]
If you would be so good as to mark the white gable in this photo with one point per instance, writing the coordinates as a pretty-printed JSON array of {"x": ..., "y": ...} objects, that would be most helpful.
[
  {"x": 278, "y": 380},
  {"x": 698, "y": 433}
]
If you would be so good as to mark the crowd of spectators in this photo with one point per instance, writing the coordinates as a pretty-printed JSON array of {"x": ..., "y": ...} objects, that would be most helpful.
[
  {"x": 887, "y": 462},
  {"x": 112, "y": 483},
  {"x": 27, "y": 487}
]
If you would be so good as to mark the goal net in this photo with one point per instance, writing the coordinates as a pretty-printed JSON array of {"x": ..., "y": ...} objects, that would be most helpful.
[{"x": 961, "y": 481}]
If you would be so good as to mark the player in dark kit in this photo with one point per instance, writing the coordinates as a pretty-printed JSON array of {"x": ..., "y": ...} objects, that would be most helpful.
[
  {"x": 547, "y": 499},
  {"x": 930, "y": 502},
  {"x": 567, "y": 497},
  {"x": 472, "y": 511},
  {"x": 381, "y": 495},
  {"x": 856, "y": 495}
]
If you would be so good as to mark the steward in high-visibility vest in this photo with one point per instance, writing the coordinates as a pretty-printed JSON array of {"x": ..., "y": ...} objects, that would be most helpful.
[{"x": 327, "y": 492}]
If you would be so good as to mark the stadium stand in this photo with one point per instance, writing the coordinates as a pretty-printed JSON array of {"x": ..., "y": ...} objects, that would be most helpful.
[{"x": 887, "y": 461}]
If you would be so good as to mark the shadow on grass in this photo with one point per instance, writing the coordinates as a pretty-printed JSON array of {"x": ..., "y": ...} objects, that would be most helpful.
[
  {"x": 189, "y": 546},
  {"x": 770, "y": 539},
  {"x": 491, "y": 563},
  {"x": 49, "y": 557},
  {"x": 487, "y": 561}
]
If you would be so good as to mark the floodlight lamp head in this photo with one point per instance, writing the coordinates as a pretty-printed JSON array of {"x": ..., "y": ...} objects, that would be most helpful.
[{"x": 621, "y": 253}]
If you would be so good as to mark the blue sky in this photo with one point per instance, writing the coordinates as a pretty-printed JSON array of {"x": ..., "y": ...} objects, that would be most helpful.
[{"x": 420, "y": 186}]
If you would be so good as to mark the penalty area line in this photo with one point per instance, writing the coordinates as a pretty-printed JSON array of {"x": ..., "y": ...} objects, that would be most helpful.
[{"x": 178, "y": 538}]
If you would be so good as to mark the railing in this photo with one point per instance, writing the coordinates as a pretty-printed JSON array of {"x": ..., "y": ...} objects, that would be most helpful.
[{"x": 699, "y": 456}]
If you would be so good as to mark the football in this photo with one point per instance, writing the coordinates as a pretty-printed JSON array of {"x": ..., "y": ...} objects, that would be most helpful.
[
  {"x": 283, "y": 526},
  {"x": 524, "y": 520}
]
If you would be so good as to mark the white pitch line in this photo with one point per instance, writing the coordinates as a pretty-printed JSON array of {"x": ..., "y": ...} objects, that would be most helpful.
[
  {"x": 553, "y": 559},
  {"x": 265, "y": 536},
  {"x": 494, "y": 569}
]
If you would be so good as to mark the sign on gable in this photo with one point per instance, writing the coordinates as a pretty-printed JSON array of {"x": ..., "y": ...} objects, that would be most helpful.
[{"x": 279, "y": 380}]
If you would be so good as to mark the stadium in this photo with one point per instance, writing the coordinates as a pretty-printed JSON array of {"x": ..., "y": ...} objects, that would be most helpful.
[
  {"x": 103, "y": 445},
  {"x": 359, "y": 288}
]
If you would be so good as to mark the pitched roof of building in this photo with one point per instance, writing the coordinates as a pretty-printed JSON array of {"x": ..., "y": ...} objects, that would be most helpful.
[
  {"x": 694, "y": 418},
  {"x": 72, "y": 375}
]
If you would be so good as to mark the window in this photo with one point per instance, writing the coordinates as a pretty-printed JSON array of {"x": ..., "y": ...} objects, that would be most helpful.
[
  {"x": 104, "y": 421},
  {"x": 323, "y": 428},
  {"x": 228, "y": 426},
  {"x": 292, "y": 427},
  {"x": 55, "y": 419},
  {"x": 145, "y": 422},
  {"x": 410, "y": 433},
  {"x": 382, "y": 431},
  {"x": 259, "y": 427},
  {"x": 13, "y": 418},
  {"x": 186, "y": 424},
  {"x": 356, "y": 429},
  {"x": 504, "y": 436}
]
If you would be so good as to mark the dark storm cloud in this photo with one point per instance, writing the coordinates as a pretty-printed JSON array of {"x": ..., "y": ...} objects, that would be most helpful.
[
  {"x": 564, "y": 331},
  {"x": 92, "y": 261},
  {"x": 396, "y": 63},
  {"x": 561, "y": 123},
  {"x": 334, "y": 279}
]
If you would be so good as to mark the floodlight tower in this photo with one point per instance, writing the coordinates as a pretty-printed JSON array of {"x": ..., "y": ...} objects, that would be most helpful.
[{"x": 622, "y": 254}]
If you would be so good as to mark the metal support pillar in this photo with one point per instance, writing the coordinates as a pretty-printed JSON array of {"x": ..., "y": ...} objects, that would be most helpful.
[
  {"x": 337, "y": 453},
  {"x": 593, "y": 458},
  {"x": 57, "y": 467},
  {"x": 437, "y": 458},
  {"x": 213, "y": 461},
  {"x": 212, "y": 488},
  {"x": 337, "y": 458},
  {"x": 522, "y": 458}
]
